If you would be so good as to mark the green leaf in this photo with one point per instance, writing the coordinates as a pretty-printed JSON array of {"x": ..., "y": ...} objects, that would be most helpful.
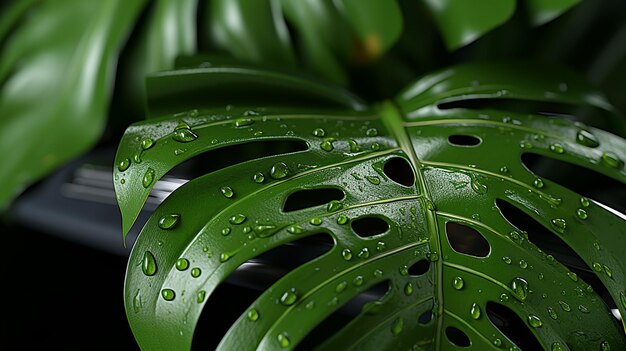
[
  {"x": 376, "y": 36},
  {"x": 543, "y": 11},
  {"x": 253, "y": 31},
  {"x": 57, "y": 71},
  {"x": 223, "y": 219},
  {"x": 462, "y": 22}
]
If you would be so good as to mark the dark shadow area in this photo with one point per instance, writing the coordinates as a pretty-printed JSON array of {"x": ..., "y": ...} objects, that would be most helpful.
[
  {"x": 466, "y": 240},
  {"x": 511, "y": 325},
  {"x": 464, "y": 140},
  {"x": 302, "y": 199},
  {"x": 400, "y": 171},
  {"x": 369, "y": 226},
  {"x": 458, "y": 337}
]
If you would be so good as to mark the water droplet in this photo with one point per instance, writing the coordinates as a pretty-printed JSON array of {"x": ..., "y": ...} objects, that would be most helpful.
[
  {"x": 534, "y": 321},
  {"x": 565, "y": 306},
  {"x": 477, "y": 185},
  {"x": 607, "y": 271},
  {"x": 237, "y": 219},
  {"x": 375, "y": 146},
  {"x": 373, "y": 179},
  {"x": 458, "y": 283},
  {"x": 611, "y": 160},
  {"x": 596, "y": 267},
  {"x": 252, "y": 314},
  {"x": 371, "y": 132},
  {"x": 295, "y": 229},
  {"x": 585, "y": 138},
  {"x": 378, "y": 273},
  {"x": 242, "y": 122},
  {"x": 605, "y": 346},
  {"x": 346, "y": 254},
  {"x": 148, "y": 178},
  {"x": 504, "y": 297},
  {"x": 224, "y": 257},
  {"x": 506, "y": 259},
  {"x": 557, "y": 148},
  {"x": 179, "y": 152},
  {"x": 408, "y": 289},
  {"x": 550, "y": 258},
  {"x": 396, "y": 326},
  {"x": 475, "y": 311},
  {"x": 584, "y": 202},
  {"x": 169, "y": 221},
  {"x": 283, "y": 340},
  {"x": 358, "y": 280},
  {"x": 195, "y": 272},
  {"x": 538, "y": 183},
  {"x": 227, "y": 191},
  {"x": 582, "y": 214},
  {"x": 622, "y": 297},
  {"x": 184, "y": 135},
  {"x": 168, "y": 294},
  {"x": 404, "y": 270},
  {"x": 148, "y": 264},
  {"x": 520, "y": 288},
  {"x": 333, "y": 206},
  {"x": 288, "y": 298},
  {"x": 525, "y": 144},
  {"x": 137, "y": 158},
  {"x": 559, "y": 225},
  {"x": 354, "y": 147},
  {"x": 327, "y": 144},
  {"x": 504, "y": 170},
  {"x": 279, "y": 170},
  {"x": 147, "y": 143},
  {"x": 380, "y": 246},
  {"x": 341, "y": 287},
  {"x": 552, "y": 313},
  {"x": 319, "y": 132},
  {"x": 333, "y": 302},
  {"x": 497, "y": 342},
  {"x": 556, "y": 346},
  {"x": 583, "y": 309},
  {"x": 258, "y": 177},
  {"x": 364, "y": 253},
  {"x": 316, "y": 221},
  {"x": 523, "y": 264},
  {"x": 342, "y": 219},
  {"x": 124, "y": 164},
  {"x": 572, "y": 276},
  {"x": 201, "y": 296},
  {"x": 182, "y": 264},
  {"x": 225, "y": 231}
]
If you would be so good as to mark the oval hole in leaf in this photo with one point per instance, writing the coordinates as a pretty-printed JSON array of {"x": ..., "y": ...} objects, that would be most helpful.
[
  {"x": 302, "y": 199},
  {"x": 464, "y": 140},
  {"x": 341, "y": 317},
  {"x": 511, "y": 325},
  {"x": 419, "y": 268},
  {"x": 369, "y": 226},
  {"x": 249, "y": 281},
  {"x": 552, "y": 244},
  {"x": 400, "y": 171},
  {"x": 458, "y": 337},
  {"x": 425, "y": 317},
  {"x": 467, "y": 240},
  {"x": 589, "y": 183}
]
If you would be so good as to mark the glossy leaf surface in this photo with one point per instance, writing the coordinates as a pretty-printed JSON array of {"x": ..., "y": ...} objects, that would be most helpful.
[{"x": 424, "y": 171}]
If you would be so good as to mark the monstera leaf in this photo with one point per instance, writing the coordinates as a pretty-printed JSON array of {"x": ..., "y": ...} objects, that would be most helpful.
[{"x": 408, "y": 194}]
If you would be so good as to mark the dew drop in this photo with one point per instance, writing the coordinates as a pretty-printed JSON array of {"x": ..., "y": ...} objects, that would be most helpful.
[
  {"x": 506, "y": 259},
  {"x": 534, "y": 321},
  {"x": 622, "y": 297},
  {"x": 147, "y": 143},
  {"x": 253, "y": 314},
  {"x": 596, "y": 267},
  {"x": 475, "y": 311},
  {"x": 373, "y": 179},
  {"x": 341, "y": 287},
  {"x": 169, "y": 221},
  {"x": 283, "y": 340},
  {"x": 168, "y": 294},
  {"x": 201, "y": 296},
  {"x": 538, "y": 183},
  {"x": 148, "y": 178},
  {"x": 404, "y": 270},
  {"x": 557, "y": 148},
  {"x": 525, "y": 144},
  {"x": 582, "y": 214},
  {"x": 572, "y": 276},
  {"x": 327, "y": 144},
  {"x": 583, "y": 309},
  {"x": 396, "y": 326},
  {"x": 243, "y": 122},
  {"x": 124, "y": 164},
  {"x": 237, "y": 219},
  {"x": 319, "y": 132},
  {"x": 182, "y": 264},
  {"x": 607, "y": 271},
  {"x": 552, "y": 313},
  {"x": 520, "y": 288},
  {"x": 288, "y": 298},
  {"x": 408, "y": 289},
  {"x": 227, "y": 192},
  {"x": 556, "y": 346},
  {"x": 184, "y": 134},
  {"x": 605, "y": 346},
  {"x": 477, "y": 185},
  {"x": 333, "y": 206},
  {"x": 316, "y": 221},
  {"x": 258, "y": 177},
  {"x": 342, "y": 219},
  {"x": 364, "y": 253},
  {"x": 346, "y": 254},
  {"x": 559, "y": 225},
  {"x": 224, "y": 257},
  {"x": 378, "y": 273},
  {"x": 225, "y": 231},
  {"x": 358, "y": 280},
  {"x": 371, "y": 132},
  {"x": 295, "y": 229},
  {"x": 375, "y": 146},
  {"x": 195, "y": 272},
  {"x": 523, "y": 264},
  {"x": 565, "y": 306},
  {"x": 611, "y": 160},
  {"x": 279, "y": 170},
  {"x": 585, "y": 138},
  {"x": 380, "y": 246},
  {"x": 458, "y": 283},
  {"x": 148, "y": 264},
  {"x": 354, "y": 147},
  {"x": 504, "y": 297}
]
